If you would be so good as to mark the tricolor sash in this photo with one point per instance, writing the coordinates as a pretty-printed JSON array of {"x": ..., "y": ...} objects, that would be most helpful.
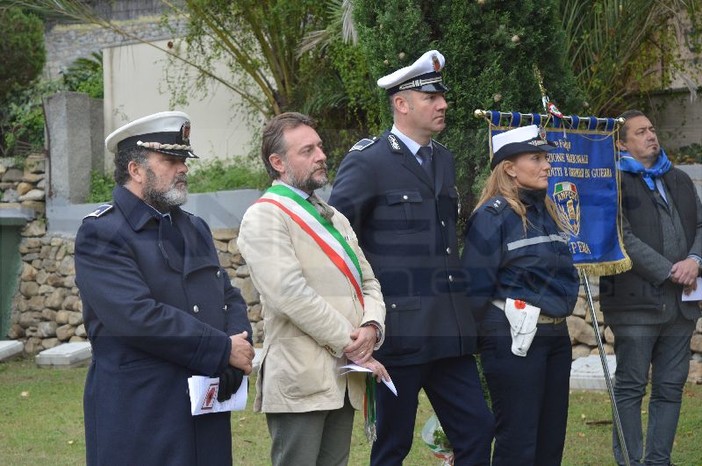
[{"x": 321, "y": 230}]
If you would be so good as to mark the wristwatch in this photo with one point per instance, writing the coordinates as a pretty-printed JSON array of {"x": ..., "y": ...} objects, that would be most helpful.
[{"x": 697, "y": 259}]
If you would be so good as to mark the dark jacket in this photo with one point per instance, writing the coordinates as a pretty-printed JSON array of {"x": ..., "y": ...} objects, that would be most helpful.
[
  {"x": 154, "y": 318},
  {"x": 406, "y": 226},
  {"x": 644, "y": 295},
  {"x": 503, "y": 261}
]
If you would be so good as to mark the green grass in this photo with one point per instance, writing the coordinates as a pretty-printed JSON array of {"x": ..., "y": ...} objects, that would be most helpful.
[{"x": 41, "y": 422}]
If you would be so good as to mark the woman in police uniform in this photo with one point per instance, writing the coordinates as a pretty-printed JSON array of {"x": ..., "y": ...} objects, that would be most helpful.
[{"x": 514, "y": 250}]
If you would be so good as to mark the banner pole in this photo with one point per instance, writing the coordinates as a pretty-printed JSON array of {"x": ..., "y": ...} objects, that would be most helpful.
[{"x": 605, "y": 368}]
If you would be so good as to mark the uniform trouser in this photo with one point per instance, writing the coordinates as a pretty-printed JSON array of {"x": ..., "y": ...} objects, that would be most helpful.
[
  {"x": 453, "y": 388},
  {"x": 321, "y": 438},
  {"x": 529, "y": 394},
  {"x": 665, "y": 349}
]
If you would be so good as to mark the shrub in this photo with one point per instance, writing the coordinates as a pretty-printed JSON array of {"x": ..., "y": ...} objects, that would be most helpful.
[
  {"x": 205, "y": 176},
  {"x": 216, "y": 175}
]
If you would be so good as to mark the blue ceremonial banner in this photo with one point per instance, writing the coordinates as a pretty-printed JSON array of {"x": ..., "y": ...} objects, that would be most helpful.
[{"x": 584, "y": 185}]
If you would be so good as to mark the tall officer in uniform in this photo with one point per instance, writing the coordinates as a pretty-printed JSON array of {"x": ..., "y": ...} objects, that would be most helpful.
[
  {"x": 158, "y": 308},
  {"x": 398, "y": 191}
]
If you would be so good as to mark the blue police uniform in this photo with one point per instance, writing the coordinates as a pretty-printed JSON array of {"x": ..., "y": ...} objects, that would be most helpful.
[
  {"x": 158, "y": 308},
  {"x": 406, "y": 225},
  {"x": 529, "y": 394}
]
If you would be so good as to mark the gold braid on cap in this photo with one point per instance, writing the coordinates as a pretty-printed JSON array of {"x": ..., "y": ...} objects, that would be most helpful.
[{"x": 158, "y": 146}]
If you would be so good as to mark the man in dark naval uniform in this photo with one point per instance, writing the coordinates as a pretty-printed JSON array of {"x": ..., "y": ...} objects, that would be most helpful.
[
  {"x": 398, "y": 191},
  {"x": 158, "y": 308}
]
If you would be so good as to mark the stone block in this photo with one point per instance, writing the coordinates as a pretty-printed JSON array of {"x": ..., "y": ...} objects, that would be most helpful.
[
  {"x": 588, "y": 374},
  {"x": 10, "y": 348},
  {"x": 224, "y": 234},
  {"x": 65, "y": 355}
]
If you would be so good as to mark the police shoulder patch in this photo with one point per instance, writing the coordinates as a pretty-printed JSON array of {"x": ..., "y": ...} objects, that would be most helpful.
[
  {"x": 363, "y": 143},
  {"x": 104, "y": 208},
  {"x": 496, "y": 205}
]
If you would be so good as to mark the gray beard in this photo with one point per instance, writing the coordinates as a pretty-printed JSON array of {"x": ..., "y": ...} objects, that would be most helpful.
[{"x": 163, "y": 201}]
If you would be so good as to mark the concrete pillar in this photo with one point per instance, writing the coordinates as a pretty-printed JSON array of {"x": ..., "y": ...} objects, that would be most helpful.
[{"x": 74, "y": 126}]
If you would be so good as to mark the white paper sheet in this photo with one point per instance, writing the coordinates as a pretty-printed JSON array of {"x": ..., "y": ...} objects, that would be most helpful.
[
  {"x": 203, "y": 396},
  {"x": 695, "y": 295},
  {"x": 356, "y": 368}
]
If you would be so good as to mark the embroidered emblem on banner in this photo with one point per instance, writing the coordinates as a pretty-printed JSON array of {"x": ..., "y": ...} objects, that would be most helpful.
[{"x": 565, "y": 195}]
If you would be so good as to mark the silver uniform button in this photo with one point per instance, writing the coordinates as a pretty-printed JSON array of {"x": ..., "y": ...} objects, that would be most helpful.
[
  {"x": 448, "y": 250},
  {"x": 226, "y": 307},
  {"x": 196, "y": 309},
  {"x": 405, "y": 197},
  {"x": 219, "y": 273},
  {"x": 393, "y": 305},
  {"x": 443, "y": 224},
  {"x": 450, "y": 278}
]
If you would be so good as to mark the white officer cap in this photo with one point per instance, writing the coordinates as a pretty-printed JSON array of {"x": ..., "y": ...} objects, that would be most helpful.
[
  {"x": 423, "y": 75},
  {"x": 165, "y": 132},
  {"x": 525, "y": 139}
]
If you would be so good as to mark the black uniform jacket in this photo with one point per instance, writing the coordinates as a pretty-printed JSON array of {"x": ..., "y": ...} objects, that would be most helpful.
[
  {"x": 154, "y": 317},
  {"x": 406, "y": 225}
]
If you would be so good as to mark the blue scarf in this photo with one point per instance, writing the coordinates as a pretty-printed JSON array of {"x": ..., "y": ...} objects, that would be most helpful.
[{"x": 627, "y": 163}]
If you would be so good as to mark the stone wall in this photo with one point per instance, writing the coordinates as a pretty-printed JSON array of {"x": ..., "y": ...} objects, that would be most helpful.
[
  {"x": 65, "y": 43},
  {"x": 47, "y": 309}
]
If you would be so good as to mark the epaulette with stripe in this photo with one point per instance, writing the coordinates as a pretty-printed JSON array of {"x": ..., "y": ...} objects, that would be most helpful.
[
  {"x": 104, "y": 208},
  {"x": 363, "y": 143}
]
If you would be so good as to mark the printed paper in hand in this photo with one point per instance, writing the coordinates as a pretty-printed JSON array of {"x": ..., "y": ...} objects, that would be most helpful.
[
  {"x": 203, "y": 396},
  {"x": 694, "y": 295},
  {"x": 356, "y": 368}
]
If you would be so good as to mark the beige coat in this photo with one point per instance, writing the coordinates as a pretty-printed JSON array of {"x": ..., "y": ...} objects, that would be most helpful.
[{"x": 309, "y": 309}]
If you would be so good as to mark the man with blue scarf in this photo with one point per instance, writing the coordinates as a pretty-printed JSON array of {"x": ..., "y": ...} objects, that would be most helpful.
[{"x": 652, "y": 324}]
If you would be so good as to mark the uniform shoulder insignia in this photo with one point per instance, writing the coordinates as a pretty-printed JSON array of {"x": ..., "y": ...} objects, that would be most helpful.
[
  {"x": 363, "y": 143},
  {"x": 496, "y": 205},
  {"x": 104, "y": 208}
]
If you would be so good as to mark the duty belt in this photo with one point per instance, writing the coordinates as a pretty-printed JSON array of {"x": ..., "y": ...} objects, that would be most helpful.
[{"x": 500, "y": 303}]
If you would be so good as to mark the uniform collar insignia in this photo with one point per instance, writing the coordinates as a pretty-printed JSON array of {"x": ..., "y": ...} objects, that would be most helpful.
[{"x": 393, "y": 142}]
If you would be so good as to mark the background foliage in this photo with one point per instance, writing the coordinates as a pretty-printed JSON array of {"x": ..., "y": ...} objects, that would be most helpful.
[
  {"x": 596, "y": 57},
  {"x": 203, "y": 177},
  {"x": 490, "y": 48},
  {"x": 23, "y": 56},
  {"x": 621, "y": 50}
]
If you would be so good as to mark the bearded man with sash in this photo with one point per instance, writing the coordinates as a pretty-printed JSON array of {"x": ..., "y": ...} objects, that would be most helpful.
[
  {"x": 322, "y": 305},
  {"x": 645, "y": 306}
]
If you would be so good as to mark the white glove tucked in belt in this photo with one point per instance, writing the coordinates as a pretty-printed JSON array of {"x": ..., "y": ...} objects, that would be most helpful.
[{"x": 522, "y": 318}]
